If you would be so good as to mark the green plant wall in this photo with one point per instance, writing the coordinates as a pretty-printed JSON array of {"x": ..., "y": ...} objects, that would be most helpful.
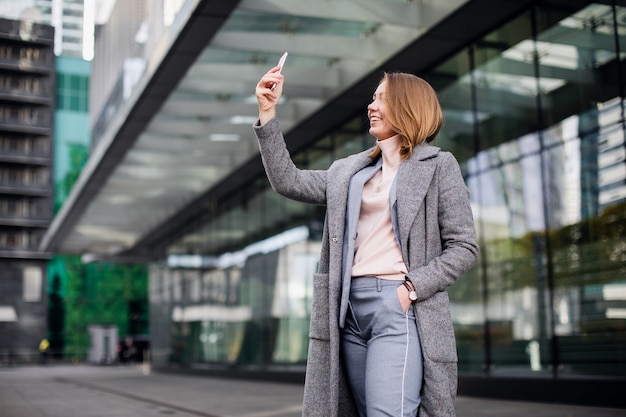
[{"x": 103, "y": 293}]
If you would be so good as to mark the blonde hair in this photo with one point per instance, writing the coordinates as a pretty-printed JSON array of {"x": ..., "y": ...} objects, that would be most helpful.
[{"x": 413, "y": 110}]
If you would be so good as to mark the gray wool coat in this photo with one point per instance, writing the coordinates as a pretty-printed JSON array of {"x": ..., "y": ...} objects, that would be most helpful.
[{"x": 438, "y": 244}]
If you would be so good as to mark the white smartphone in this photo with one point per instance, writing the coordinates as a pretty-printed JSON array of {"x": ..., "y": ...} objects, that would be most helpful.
[{"x": 281, "y": 63}]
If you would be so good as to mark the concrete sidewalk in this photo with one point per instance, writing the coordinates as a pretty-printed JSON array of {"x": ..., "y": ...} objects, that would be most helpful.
[{"x": 90, "y": 391}]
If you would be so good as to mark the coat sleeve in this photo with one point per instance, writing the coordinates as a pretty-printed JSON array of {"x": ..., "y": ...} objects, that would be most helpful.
[
  {"x": 307, "y": 186},
  {"x": 452, "y": 249}
]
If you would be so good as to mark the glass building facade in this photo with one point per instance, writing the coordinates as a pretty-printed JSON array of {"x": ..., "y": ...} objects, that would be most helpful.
[{"x": 534, "y": 112}]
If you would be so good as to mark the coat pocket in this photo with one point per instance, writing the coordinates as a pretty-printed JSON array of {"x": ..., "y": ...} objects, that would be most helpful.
[
  {"x": 319, "y": 328},
  {"x": 436, "y": 329}
]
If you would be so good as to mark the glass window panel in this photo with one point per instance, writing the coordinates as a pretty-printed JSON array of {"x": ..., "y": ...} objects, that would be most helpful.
[
  {"x": 75, "y": 103},
  {"x": 75, "y": 82},
  {"x": 585, "y": 175},
  {"x": 291, "y": 301},
  {"x": 166, "y": 286},
  {"x": 193, "y": 286},
  {"x": 253, "y": 22},
  {"x": 458, "y": 137},
  {"x": 61, "y": 81},
  {"x": 177, "y": 286},
  {"x": 505, "y": 178},
  {"x": 455, "y": 96},
  {"x": 32, "y": 282}
]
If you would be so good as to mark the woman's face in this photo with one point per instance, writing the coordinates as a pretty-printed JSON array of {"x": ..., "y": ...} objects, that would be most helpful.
[{"x": 380, "y": 127}]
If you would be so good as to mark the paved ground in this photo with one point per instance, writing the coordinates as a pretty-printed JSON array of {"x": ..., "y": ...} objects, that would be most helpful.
[{"x": 93, "y": 391}]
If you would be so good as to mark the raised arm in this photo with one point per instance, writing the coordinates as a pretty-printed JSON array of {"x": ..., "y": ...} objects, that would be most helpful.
[{"x": 307, "y": 186}]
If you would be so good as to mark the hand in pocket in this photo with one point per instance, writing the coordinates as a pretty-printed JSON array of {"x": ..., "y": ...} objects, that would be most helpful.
[{"x": 403, "y": 297}]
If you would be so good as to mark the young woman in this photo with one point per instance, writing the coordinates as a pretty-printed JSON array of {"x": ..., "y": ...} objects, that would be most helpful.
[{"x": 398, "y": 231}]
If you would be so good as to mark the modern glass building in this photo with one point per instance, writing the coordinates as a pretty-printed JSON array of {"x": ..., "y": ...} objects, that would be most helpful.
[{"x": 533, "y": 99}]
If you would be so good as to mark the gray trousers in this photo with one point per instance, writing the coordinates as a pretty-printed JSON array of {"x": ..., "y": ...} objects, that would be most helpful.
[{"x": 382, "y": 350}]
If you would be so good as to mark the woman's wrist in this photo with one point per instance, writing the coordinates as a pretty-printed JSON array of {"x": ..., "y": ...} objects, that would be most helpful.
[{"x": 266, "y": 116}]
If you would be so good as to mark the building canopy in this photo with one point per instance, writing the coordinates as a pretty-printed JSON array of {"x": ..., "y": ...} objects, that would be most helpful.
[{"x": 183, "y": 138}]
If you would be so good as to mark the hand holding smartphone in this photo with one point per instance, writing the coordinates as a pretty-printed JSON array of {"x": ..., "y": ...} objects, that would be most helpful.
[{"x": 281, "y": 63}]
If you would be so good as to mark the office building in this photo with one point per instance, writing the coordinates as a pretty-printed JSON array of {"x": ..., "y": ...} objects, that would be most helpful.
[
  {"x": 73, "y": 21},
  {"x": 27, "y": 87},
  {"x": 532, "y": 93},
  {"x": 79, "y": 294}
]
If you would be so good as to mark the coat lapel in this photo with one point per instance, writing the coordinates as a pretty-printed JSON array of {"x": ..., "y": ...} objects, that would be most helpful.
[
  {"x": 339, "y": 176},
  {"x": 414, "y": 178}
]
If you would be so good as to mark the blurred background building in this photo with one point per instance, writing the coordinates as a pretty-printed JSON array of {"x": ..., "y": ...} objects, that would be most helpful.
[
  {"x": 73, "y": 21},
  {"x": 27, "y": 89},
  {"x": 532, "y": 92},
  {"x": 79, "y": 304}
]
